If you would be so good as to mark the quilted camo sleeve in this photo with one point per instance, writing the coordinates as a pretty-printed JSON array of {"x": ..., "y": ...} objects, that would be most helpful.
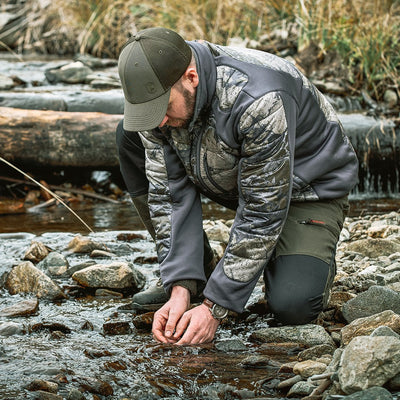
[{"x": 264, "y": 191}]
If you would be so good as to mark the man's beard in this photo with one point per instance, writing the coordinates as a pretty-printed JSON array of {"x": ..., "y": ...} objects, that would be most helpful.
[{"x": 190, "y": 102}]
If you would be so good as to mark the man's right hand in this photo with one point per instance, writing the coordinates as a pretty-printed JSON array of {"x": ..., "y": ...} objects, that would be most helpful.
[{"x": 167, "y": 317}]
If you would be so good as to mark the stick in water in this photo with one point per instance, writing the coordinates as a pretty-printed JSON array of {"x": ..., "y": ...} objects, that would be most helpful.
[{"x": 58, "y": 198}]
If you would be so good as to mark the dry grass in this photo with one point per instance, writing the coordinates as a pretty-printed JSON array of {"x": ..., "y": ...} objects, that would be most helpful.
[{"x": 364, "y": 33}]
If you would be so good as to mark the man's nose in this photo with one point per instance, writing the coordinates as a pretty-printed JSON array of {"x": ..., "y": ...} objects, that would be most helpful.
[{"x": 163, "y": 122}]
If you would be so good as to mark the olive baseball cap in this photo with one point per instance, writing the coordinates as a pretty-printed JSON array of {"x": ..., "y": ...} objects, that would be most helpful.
[{"x": 149, "y": 64}]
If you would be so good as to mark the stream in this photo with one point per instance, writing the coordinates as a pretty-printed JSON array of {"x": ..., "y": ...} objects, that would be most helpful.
[{"x": 65, "y": 342}]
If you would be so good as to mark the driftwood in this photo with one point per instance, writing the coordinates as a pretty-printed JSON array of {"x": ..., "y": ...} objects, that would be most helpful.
[{"x": 57, "y": 139}]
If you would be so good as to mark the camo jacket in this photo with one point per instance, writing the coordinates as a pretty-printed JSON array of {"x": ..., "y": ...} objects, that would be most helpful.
[{"x": 262, "y": 136}]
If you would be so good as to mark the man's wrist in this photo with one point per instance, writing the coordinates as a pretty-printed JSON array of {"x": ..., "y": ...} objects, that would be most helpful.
[
  {"x": 217, "y": 311},
  {"x": 189, "y": 284}
]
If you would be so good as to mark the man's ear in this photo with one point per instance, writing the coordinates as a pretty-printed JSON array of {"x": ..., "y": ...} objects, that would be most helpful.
[{"x": 192, "y": 76}]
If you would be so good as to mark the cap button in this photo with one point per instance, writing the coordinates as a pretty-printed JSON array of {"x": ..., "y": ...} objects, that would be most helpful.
[{"x": 138, "y": 36}]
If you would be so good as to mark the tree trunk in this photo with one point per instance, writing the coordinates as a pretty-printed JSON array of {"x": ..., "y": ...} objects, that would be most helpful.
[
  {"x": 58, "y": 139},
  {"x": 32, "y": 138}
]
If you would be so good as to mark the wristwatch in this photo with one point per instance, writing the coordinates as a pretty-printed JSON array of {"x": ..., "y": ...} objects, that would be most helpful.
[{"x": 218, "y": 312}]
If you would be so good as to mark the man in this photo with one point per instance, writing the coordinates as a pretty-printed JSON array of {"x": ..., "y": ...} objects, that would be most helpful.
[{"x": 249, "y": 131}]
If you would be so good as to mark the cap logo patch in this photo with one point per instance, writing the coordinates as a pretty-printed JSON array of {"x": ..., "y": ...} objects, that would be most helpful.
[{"x": 150, "y": 87}]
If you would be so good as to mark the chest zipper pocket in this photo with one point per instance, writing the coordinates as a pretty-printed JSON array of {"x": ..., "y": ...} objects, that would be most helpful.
[{"x": 317, "y": 222}]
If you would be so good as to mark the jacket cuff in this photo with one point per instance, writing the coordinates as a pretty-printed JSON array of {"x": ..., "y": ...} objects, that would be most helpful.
[{"x": 189, "y": 284}]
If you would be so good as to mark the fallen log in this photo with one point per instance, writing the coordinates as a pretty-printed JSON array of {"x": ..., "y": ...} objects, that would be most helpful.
[
  {"x": 57, "y": 139},
  {"x": 32, "y": 138}
]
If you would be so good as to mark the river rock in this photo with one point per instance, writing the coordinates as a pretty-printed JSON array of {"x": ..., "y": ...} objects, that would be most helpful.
[
  {"x": 368, "y": 361},
  {"x": 117, "y": 275},
  {"x": 301, "y": 388},
  {"x": 93, "y": 385},
  {"x": 365, "y": 326},
  {"x": 22, "y": 308},
  {"x": 75, "y": 72},
  {"x": 95, "y": 62},
  {"x": 309, "y": 368},
  {"x": 374, "y": 248},
  {"x": 233, "y": 344},
  {"x": 55, "y": 263},
  {"x": 385, "y": 331},
  {"x": 26, "y": 278},
  {"x": 373, "y": 393},
  {"x": 6, "y": 82},
  {"x": 75, "y": 394},
  {"x": 80, "y": 244},
  {"x": 40, "y": 384},
  {"x": 42, "y": 395},
  {"x": 308, "y": 335},
  {"x": 36, "y": 252},
  {"x": 10, "y": 328},
  {"x": 117, "y": 328},
  {"x": 316, "y": 351},
  {"x": 375, "y": 300}
]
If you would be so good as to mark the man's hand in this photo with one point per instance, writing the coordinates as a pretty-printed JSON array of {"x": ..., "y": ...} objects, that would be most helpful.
[
  {"x": 173, "y": 324},
  {"x": 196, "y": 326},
  {"x": 167, "y": 317}
]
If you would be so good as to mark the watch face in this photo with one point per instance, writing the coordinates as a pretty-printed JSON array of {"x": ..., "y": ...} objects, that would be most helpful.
[{"x": 219, "y": 312}]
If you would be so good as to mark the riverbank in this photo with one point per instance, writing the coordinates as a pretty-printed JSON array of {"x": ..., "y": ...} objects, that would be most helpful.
[{"x": 82, "y": 338}]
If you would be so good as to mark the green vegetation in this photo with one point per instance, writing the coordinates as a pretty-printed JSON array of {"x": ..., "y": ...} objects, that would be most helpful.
[{"x": 363, "y": 34}]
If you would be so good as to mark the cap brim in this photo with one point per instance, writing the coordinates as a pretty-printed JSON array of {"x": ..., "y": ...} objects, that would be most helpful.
[{"x": 145, "y": 116}]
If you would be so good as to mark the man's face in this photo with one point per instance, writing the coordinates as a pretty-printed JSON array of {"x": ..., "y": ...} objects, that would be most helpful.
[{"x": 180, "y": 107}]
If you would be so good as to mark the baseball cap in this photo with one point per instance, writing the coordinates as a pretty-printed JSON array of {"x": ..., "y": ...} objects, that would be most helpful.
[{"x": 149, "y": 64}]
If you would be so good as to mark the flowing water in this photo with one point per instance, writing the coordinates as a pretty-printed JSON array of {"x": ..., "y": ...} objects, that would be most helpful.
[{"x": 133, "y": 364}]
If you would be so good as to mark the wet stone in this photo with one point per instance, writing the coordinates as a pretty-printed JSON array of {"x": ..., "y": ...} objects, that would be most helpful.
[
  {"x": 50, "y": 326},
  {"x": 131, "y": 236},
  {"x": 22, "y": 308},
  {"x": 301, "y": 388},
  {"x": 26, "y": 278},
  {"x": 101, "y": 254},
  {"x": 40, "y": 384},
  {"x": 117, "y": 275},
  {"x": 375, "y": 300},
  {"x": 315, "y": 351},
  {"x": 42, "y": 395},
  {"x": 10, "y": 328},
  {"x": 368, "y": 361},
  {"x": 373, "y": 393},
  {"x": 80, "y": 244},
  {"x": 228, "y": 345},
  {"x": 259, "y": 361},
  {"x": 36, "y": 252},
  {"x": 309, "y": 368},
  {"x": 115, "y": 366},
  {"x": 385, "y": 331},
  {"x": 75, "y": 394},
  {"x": 78, "y": 267},
  {"x": 95, "y": 386},
  {"x": 55, "y": 263},
  {"x": 117, "y": 328},
  {"x": 365, "y": 326},
  {"x": 144, "y": 321},
  {"x": 95, "y": 353},
  {"x": 309, "y": 335}
]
